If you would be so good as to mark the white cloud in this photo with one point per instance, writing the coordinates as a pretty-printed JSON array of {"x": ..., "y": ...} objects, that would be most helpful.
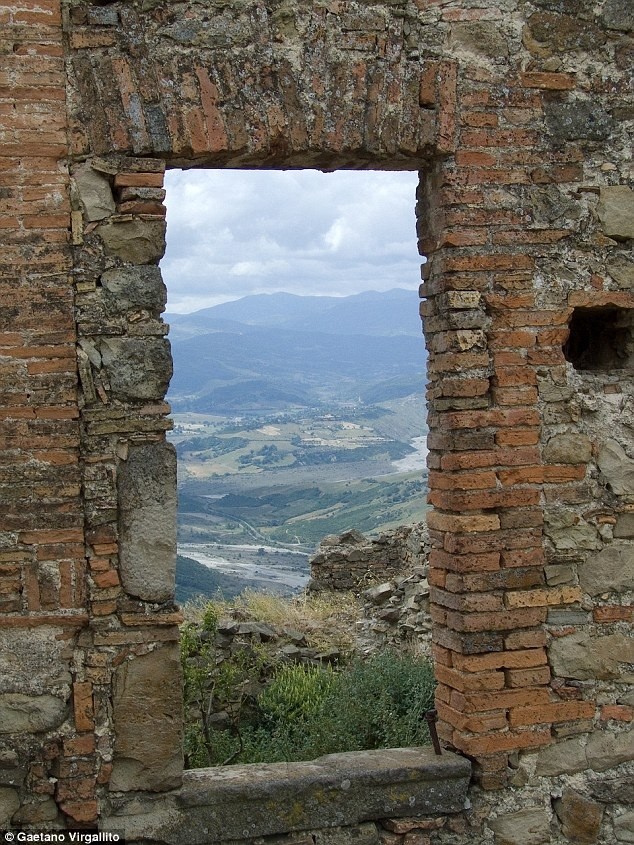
[{"x": 235, "y": 232}]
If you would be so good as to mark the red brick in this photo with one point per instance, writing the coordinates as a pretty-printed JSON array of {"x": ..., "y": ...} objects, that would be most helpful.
[
  {"x": 498, "y": 580},
  {"x": 104, "y": 580},
  {"x": 468, "y": 602},
  {"x": 489, "y": 262},
  {"x": 523, "y": 557},
  {"x": 479, "y": 500},
  {"x": 138, "y": 180},
  {"x": 462, "y": 524},
  {"x": 514, "y": 376},
  {"x": 521, "y": 518},
  {"x": 620, "y": 299},
  {"x": 534, "y": 236},
  {"x": 465, "y": 387},
  {"x": 525, "y": 639},
  {"x": 470, "y": 681},
  {"x": 613, "y": 613},
  {"x": 517, "y": 437},
  {"x": 534, "y": 318},
  {"x": 83, "y": 706},
  {"x": 528, "y": 677},
  {"x": 516, "y": 660},
  {"x": 616, "y": 712},
  {"x": 508, "y": 620},
  {"x": 562, "y": 711},
  {"x": 471, "y": 158},
  {"x": 503, "y": 741},
  {"x": 441, "y": 655},
  {"x": 462, "y": 480},
  {"x": 464, "y": 563},
  {"x": 515, "y": 396},
  {"x": 80, "y": 746},
  {"x": 475, "y": 723},
  {"x": 549, "y": 81},
  {"x": 468, "y": 702},
  {"x": 81, "y": 811}
]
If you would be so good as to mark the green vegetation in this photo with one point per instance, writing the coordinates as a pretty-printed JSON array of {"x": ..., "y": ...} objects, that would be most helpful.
[
  {"x": 194, "y": 580},
  {"x": 304, "y": 513},
  {"x": 255, "y": 707}
]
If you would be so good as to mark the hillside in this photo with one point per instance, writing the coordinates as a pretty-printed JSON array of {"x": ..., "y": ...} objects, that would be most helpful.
[
  {"x": 295, "y": 417},
  {"x": 270, "y": 352}
]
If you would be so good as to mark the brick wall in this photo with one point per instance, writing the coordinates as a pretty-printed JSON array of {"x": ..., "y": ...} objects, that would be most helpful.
[{"x": 520, "y": 120}]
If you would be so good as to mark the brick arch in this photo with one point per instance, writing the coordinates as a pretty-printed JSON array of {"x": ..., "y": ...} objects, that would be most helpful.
[{"x": 519, "y": 144}]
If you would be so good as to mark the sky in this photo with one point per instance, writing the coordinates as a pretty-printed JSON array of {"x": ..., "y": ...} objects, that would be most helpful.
[{"x": 231, "y": 233}]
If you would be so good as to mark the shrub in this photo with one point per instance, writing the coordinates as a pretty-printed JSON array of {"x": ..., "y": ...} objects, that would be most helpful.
[{"x": 307, "y": 711}]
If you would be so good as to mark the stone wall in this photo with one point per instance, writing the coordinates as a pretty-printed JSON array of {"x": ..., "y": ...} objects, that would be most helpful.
[
  {"x": 351, "y": 561},
  {"x": 519, "y": 117}
]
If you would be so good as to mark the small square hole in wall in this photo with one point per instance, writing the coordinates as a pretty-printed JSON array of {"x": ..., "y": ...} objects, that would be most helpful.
[{"x": 601, "y": 339}]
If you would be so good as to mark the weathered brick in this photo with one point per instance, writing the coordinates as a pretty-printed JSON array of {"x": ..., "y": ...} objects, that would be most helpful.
[
  {"x": 527, "y": 677},
  {"x": 503, "y": 741},
  {"x": 462, "y": 524},
  {"x": 563, "y": 711},
  {"x": 508, "y": 620},
  {"x": 542, "y": 597}
]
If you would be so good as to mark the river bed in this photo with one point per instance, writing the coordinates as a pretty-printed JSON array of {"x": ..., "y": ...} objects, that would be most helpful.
[{"x": 283, "y": 569}]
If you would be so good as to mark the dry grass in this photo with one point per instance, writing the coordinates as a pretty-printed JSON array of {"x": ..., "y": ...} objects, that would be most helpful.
[{"x": 327, "y": 620}]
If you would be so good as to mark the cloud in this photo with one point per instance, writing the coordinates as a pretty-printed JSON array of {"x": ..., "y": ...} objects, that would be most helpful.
[{"x": 231, "y": 233}]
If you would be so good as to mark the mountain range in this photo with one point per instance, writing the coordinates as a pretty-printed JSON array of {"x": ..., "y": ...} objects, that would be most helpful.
[{"x": 269, "y": 352}]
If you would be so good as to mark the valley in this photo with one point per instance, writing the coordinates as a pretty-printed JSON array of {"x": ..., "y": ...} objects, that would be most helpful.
[{"x": 276, "y": 467}]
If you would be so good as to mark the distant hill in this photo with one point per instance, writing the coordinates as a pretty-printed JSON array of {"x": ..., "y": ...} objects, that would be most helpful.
[
  {"x": 194, "y": 580},
  {"x": 393, "y": 312},
  {"x": 272, "y": 351}
]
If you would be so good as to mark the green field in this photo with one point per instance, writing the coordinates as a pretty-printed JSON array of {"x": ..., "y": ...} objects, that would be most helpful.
[{"x": 293, "y": 479}]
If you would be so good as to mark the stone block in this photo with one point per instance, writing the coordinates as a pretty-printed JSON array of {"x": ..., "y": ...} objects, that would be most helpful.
[
  {"x": 606, "y": 750},
  {"x": 586, "y": 657},
  {"x": 624, "y": 528},
  {"x": 136, "y": 241},
  {"x": 480, "y": 38},
  {"x": 94, "y": 192},
  {"x": 563, "y": 573},
  {"x": 31, "y": 713},
  {"x": 128, "y": 288},
  {"x": 146, "y": 485},
  {"x": 618, "y": 790},
  {"x": 616, "y": 211},
  {"x": 568, "y": 449},
  {"x": 580, "y": 817},
  {"x": 552, "y": 34},
  {"x": 612, "y": 570},
  {"x": 580, "y": 121},
  {"x": 363, "y": 834},
  {"x": 137, "y": 368},
  {"x": 622, "y": 271},
  {"x": 617, "y": 468},
  {"x": 563, "y": 758},
  {"x": 32, "y": 660},
  {"x": 240, "y": 802},
  {"x": 624, "y": 827},
  {"x": 148, "y": 706},
  {"x": 529, "y": 826},
  {"x": 37, "y": 813},
  {"x": 618, "y": 15},
  {"x": 567, "y": 617},
  {"x": 9, "y": 803}
]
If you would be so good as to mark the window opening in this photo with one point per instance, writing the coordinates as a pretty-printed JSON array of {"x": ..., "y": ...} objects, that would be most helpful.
[
  {"x": 601, "y": 339},
  {"x": 299, "y": 413}
]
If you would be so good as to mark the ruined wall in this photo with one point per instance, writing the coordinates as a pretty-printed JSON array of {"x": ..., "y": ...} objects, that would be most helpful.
[
  {"x": 351, "y": 561},
  {"x": 519, "y": 118}
]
